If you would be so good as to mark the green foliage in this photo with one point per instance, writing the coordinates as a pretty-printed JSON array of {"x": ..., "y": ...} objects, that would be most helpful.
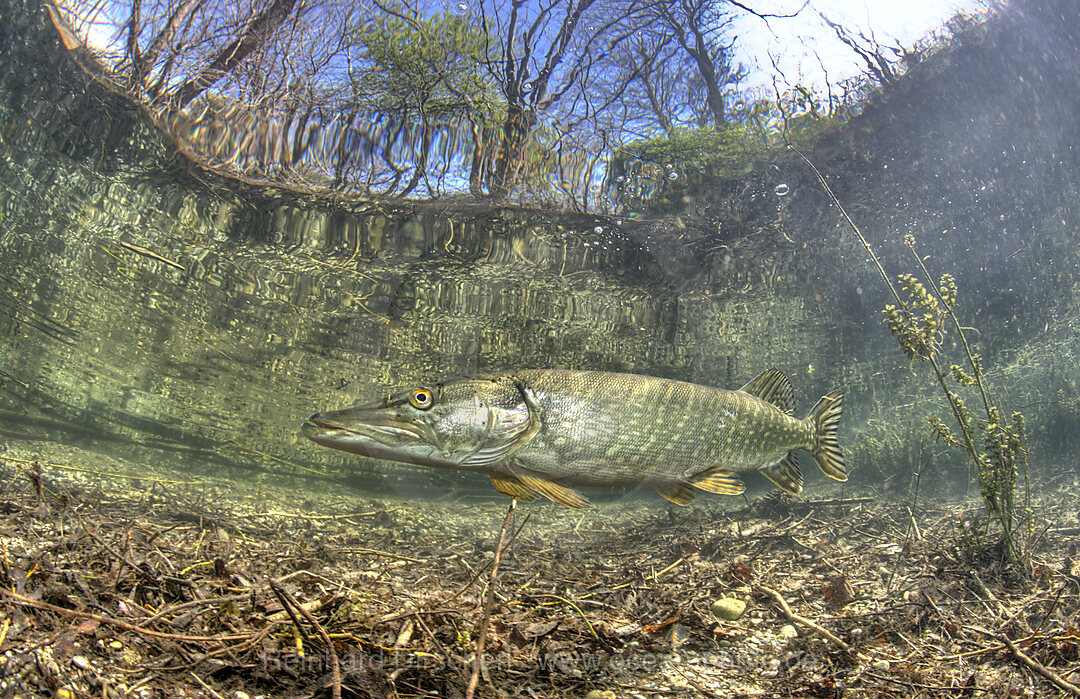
[
  {"x": 918, "y": 323},
  {"x": 760, "y": 135},
  {"x": 960, "y": 376},
  {"x": 732, "y": 149},
  {"x": 428, "y": 67}
]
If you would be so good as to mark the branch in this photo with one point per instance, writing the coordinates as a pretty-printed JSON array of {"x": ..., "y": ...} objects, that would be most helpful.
[
  {"x": 803, "y": 620},
  {"x": 1039, "y": 669},
  {"x": 254, "y": 35},
  {"x": 765, "y": 15}
]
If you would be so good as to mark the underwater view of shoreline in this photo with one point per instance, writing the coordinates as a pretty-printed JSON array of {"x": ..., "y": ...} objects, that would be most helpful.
[{"x": 236, "y": 341}]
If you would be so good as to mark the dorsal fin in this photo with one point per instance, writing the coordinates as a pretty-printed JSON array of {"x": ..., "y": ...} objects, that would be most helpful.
[{"x": 772, "y": 386}]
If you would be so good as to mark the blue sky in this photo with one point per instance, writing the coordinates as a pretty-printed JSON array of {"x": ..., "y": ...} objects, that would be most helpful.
[
  {"x": 794, "y": 42},
  {"x": 800, "y": 45}
]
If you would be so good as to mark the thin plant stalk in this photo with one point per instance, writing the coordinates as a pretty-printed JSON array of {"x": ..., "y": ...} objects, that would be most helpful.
[
  {"x": 969, "y": 440},
  {"x": 1003, "y": 443},
  {"x": 489, "y": 602}
]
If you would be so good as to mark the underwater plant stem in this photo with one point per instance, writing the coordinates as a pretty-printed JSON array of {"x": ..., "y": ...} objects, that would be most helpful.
[
  {"x": 991, "y": 410},
  {"x": 1003, "y": 502},
  {"x": 489, "y": 602},
  {"x": 858, "y": 233},
  {"x": 912, "y": 526},
  {"x": 968, "y": 438}
]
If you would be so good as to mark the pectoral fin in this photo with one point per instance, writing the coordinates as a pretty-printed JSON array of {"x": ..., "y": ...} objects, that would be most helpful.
[
  {"x": 717, "y": 480},
  {"x": 678, "y": 493},
  {"x": 514, "y": 488},
  {"x": 787, "y": 474},
  {"x": 551, "y": 490}
]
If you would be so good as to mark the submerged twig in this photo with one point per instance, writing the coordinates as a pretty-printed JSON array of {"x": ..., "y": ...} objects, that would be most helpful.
[
  {"x": 146, "y": 252},
  {"x": 335, "y": 667},
  {"x": 384, "y": 554},
  {"x": 489, "y": 602},
  {"x": 28, "y": 602},
  {"x": 480, "y": 569},
  {"x": 287, "y": 608},
  {"x": 821, "y": 631},
  {"x": 912, "y": 526},
  {"x": 576, "y": 608},
  {"x": 205, "y": 686},
  {"x": 1039, "y": 669}
]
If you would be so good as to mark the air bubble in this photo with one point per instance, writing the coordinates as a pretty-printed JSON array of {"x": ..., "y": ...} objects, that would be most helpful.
[
  {"x": 673, "y": 175},
  {"x": 598, "y": 230},
  {"x": 668, "y": 166},
  {"x": 620, "y": 178},
  {"x": 462, "y": 7},
  {"x": 781, "y": 189},
  {"x": 594, "y": 187},
  {"x": 526, "y": 86}
]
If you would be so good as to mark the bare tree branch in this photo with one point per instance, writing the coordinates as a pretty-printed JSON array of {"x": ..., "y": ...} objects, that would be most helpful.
[{"x": 254, "y": 34}]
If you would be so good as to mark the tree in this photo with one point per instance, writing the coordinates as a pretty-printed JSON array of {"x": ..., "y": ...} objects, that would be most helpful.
[
  {"x": 424, "y": 70},
  {"x": 176, "y": 23},
  {"x": 681, "y": 67},
  {"x": 548, "y": 56},
  {"x": 252, "y": 35},
  {"x": 697, "y": 27},
  {"x": 878, "y": 65},
  {"x": 658, "y": 89},
  {"x": 397, "y": 99}
]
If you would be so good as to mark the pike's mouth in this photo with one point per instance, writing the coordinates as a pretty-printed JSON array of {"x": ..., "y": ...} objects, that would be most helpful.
[
  {"x": 333, "y": 429},
  {"x": 317, "y": 422}
]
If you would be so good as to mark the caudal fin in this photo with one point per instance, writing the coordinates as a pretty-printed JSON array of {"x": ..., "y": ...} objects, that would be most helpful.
[{"x": 826, "y": 418}]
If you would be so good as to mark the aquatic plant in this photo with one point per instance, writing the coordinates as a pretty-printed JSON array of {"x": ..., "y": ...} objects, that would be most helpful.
[
  {"x": 918, "y": 324},
  {"x": 996, "y": 446}
]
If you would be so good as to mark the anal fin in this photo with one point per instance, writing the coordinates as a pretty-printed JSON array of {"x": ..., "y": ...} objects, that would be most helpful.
[
  {"x": 717, "y": 480},
  {"x": 567, "y": 497},
  {"x": 678, "y": 493},
  {"x": 787, "y": 474},
  {"x": 508, "y": 485}
]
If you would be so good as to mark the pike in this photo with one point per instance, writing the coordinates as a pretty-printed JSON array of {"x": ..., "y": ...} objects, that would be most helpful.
[{"x": 539, "y": 432}]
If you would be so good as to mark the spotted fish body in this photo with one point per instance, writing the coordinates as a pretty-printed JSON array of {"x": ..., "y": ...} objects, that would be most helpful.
[{"x": 539, "y": 432}]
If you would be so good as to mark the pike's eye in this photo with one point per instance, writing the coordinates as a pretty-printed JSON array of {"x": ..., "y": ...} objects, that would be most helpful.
[{"x": 421, "y": 398}]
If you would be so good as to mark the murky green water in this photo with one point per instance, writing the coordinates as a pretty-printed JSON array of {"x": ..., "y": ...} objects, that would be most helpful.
[{"x": 161, "y": 315}]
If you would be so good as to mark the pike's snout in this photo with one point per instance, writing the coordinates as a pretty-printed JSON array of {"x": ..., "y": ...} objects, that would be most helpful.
[
  {"x": 315, "y": 421},
  {"x": 357, "y": 426}
]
